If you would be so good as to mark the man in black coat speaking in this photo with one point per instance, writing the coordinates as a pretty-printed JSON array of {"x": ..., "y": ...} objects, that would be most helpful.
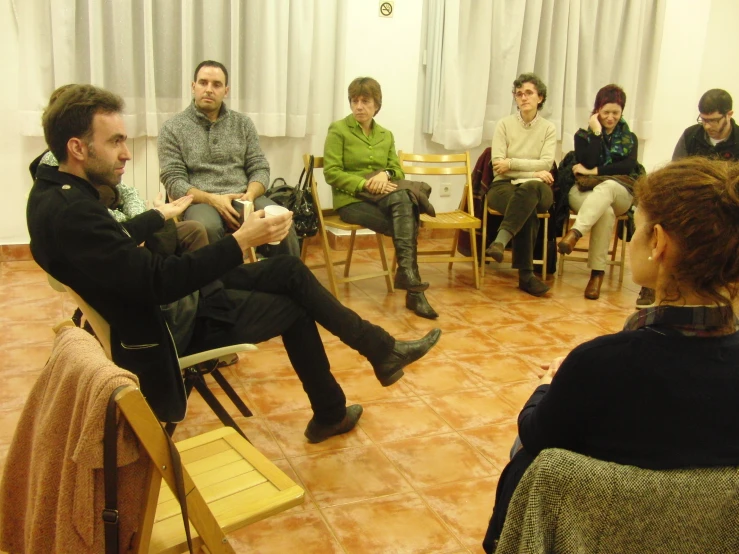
[{"x": 218, "y": 300}]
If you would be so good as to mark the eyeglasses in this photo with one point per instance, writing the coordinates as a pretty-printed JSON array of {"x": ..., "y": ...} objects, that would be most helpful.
[
  {"x": 709, "y": 120},
  {"x": 524, "y": 93}
]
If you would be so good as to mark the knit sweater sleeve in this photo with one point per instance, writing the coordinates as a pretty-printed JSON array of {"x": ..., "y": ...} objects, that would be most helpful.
[
  {"x": 172, "y": 167},
  {"x": 256, "y": 166},
  {"x": 131, "y": 203}
]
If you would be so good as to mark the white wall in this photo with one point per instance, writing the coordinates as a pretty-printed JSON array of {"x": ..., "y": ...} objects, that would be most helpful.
[{"x": 699, "y": 38}]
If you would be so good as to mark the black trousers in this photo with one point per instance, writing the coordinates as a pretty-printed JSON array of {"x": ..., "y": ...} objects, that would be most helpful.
[
  {"x": 280, "y": 296},
  {"x": 507, "y": 484},
  {"x": 375, "y": 216}
]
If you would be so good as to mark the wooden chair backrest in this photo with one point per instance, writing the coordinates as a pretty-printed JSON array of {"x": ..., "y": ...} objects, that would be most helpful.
[
  {"x": 97, "y": 322},
  {"x": 441, "y": 164}
]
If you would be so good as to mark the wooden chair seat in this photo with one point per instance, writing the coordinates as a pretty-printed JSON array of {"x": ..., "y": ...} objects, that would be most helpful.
[
  {"x": 239, "y": 485},
  {"x": 449, "y": 220}
]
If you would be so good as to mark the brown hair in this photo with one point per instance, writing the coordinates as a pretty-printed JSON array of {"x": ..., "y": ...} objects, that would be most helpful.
[
  {"x": 539, "y": 85},
  {"x": 70, "y": 113},
  {"x": 367, "y": 87},
  {"x": 715, "y": 100},
  {"x": 696, "y": 201},
  {"x": 609, "y": 94}
]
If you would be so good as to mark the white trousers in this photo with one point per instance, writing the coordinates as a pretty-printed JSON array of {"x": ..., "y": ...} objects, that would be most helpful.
[{"x": 596, "y": 214}]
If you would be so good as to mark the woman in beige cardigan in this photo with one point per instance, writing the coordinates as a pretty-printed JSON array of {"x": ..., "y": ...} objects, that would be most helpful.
[{"x": 522, "y": 155}]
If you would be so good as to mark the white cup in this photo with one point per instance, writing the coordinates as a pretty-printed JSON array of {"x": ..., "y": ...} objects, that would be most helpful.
[{"x": 273, "y": 210}]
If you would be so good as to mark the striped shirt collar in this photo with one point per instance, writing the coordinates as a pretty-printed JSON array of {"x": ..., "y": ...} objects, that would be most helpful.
[
  {"x": 530, "y": 123},
  {"x": 691, "y": 321}
]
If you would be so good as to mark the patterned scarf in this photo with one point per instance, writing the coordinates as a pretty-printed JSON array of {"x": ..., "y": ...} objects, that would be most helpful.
[{"x": 616, "y": 145}]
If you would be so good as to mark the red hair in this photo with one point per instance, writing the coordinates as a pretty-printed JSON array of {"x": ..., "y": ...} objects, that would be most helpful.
[{"x": 609, "y": 94}]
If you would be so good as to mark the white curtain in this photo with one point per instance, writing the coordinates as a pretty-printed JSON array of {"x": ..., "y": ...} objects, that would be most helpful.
[
  {"x": 146, "y": 51},
  {"x": 574, "y": 46}
]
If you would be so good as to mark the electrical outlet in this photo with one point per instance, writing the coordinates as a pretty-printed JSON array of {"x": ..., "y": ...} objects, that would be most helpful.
[{"x": 445, "y": 190}]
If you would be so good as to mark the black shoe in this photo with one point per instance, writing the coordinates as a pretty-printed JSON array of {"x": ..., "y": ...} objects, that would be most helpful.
[
  {"x": 410, "y": 280},
  {"x": 533, "y": 286},
  {"x": 646, "y": 297},
  {"x": 495, "y": 251},
  {"x": 416, "y": 301},
  {"x": 390, "y": 369},
  {"x": 316, "y": 432}
]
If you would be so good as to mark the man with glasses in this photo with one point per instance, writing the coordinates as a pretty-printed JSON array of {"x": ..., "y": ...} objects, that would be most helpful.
[{"x": 715, "y": 135}]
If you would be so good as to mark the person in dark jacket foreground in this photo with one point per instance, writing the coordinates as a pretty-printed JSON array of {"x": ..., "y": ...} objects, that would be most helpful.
[{"x": 661, "y": 394}]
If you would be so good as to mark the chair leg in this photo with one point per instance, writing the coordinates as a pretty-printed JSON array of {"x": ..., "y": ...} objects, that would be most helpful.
[
  {"x": 615, "y": 243},
  {"x": 202, "y": 387},
  {"x": 455, "y": 240},
  {"x": 623, "y": 255},
  {"x": 544, "y": 250},
  {"x": 473, "y": 246},
  {"x": 383, "y": 260},
  {"x": 350, "y": 253},
  {"x": 484, "y": 243},
  {"x": 329, "y": 262},
  {"x": 561, "y": 264},
  {"x": 231, "y": 393},
  {"x": 304, "y": 250}
]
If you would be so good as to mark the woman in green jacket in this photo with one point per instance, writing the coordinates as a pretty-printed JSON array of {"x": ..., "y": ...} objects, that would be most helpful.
[{"x": 360, "y": 160}]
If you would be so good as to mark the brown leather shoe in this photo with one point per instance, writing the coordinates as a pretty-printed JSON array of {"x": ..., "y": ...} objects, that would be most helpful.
[
  {"x": 566, "y": 245},
  {"x": 592, "y": 291}
]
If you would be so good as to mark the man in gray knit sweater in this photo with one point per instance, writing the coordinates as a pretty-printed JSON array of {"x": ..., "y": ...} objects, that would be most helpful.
[{"x": 213, "y": 154}]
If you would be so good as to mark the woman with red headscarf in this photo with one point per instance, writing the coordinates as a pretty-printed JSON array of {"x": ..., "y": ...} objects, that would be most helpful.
[{"x": 606, "y": 170}]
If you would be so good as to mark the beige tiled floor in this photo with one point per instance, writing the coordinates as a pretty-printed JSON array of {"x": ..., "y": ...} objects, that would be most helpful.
[{"x": 418, "y": 475}]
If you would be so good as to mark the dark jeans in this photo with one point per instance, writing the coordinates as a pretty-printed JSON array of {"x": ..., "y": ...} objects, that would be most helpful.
[
  {"x": 519, "y": 205},
  {"x": 280, "y": 296},
  {"x": 375, "y": 216}
]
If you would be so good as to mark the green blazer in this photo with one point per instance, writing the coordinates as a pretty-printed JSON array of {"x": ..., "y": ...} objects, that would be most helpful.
[{"x": 349, "y": 155}]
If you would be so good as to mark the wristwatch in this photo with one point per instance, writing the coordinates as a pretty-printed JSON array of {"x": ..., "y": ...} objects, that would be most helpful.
[
  {"x": 598, "y": 133},
  {"x": 389, "y": 174}
]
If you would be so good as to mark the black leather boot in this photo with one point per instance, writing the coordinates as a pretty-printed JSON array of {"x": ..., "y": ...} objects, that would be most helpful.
[
  {"x": 405, "y": 240},
  {"x": 417, "y": 302},
  {"x": 389, "y": 369}
]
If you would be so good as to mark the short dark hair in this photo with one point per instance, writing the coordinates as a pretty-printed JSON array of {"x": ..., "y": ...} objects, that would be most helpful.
[
  {"x": 70, "y": 113},
  {"x": 715, "y": 100},
  {"x": 539, "y": 85},
  {"x": 210, "y": 63},
  {"x": 609, "y": 94},
  {"x": 367, "y": 87}
]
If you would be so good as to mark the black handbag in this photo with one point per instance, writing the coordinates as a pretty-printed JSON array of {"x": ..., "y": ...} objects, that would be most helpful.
[{"x": 299, "y": 200}]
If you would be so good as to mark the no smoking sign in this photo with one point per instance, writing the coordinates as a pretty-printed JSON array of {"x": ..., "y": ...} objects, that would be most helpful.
[{"x": 386, "y": 8}]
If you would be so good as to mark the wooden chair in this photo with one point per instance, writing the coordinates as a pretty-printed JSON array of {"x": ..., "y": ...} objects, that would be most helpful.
[
  {"x": 487, "y": 210},
  {"x": 228, "y": 484},
  {"x": 189, "y": 365},
  {"x": 330, "y": 218},
  {"x": 461, "y": 219},
  {"x": 621, "y": 262}
]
